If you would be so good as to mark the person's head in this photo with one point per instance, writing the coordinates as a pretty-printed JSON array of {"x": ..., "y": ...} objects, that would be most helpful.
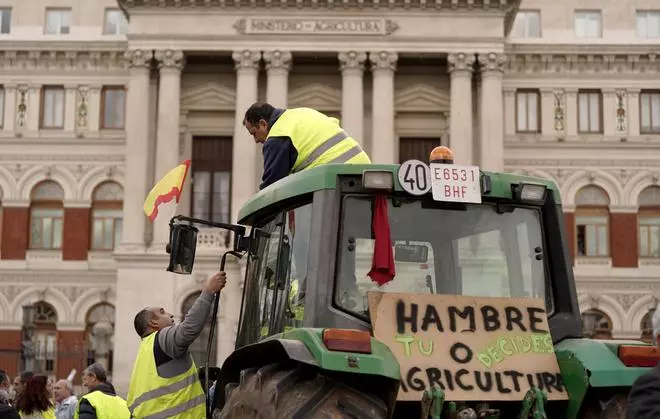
[
  {"x": 94, "y": 375},
  {"x": 20, "y": 380},
  {"x": 35, "y": 396},
  {"x": 4, "y": 380},
  {"x": 152, "y": 319},
  {"x": 257, "y": 119},
  {"x": 62, "y": 389}
]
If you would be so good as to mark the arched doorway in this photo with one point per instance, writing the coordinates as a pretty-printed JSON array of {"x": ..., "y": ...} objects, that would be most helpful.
[
  {"x": 99, "y": 335},
  {"x": 45, "y": 338},
  {"x": 198, "y": 348},
  {"x": 596, "y": 324}
]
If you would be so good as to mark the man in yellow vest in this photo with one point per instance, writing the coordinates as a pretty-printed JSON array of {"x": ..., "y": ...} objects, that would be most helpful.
[
  {"x": 101, "y": 401},
  {"x": 297, "y": 139},
  {"x": 165, "y": 382}
]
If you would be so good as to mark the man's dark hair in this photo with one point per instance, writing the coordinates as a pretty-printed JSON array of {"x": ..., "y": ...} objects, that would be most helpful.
[
  {"x": 3, "y": 376},
  {"x": 97, "y": 371},
  {"x": 257, "y": 112},
  {"x": 141, "y": 322}
]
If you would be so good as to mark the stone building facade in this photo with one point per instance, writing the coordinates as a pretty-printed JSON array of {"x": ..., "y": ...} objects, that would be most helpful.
[{"x": 96, "y": 106}]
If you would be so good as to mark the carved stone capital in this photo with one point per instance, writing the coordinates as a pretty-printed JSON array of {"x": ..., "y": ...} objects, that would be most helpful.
[
  {"x": 138, "y": 58},
  {"x": 353, "y": 60},
  {"x": 278, "y": 60},
  {"x": 492, "y": 62},
  {"x": 170, "y": 59},
  {"x": 383, "y": 60},
  {"x": 460, "y": 62},
  {"x": 246, "y": 59}
]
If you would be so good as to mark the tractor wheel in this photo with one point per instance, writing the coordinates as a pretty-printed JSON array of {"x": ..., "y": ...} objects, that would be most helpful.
[
  {"x": 278, "y": 391},
  {"x": 614, "y": 408}
]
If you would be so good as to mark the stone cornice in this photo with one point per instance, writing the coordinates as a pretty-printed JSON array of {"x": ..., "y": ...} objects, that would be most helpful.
[
  {"x": 575, "y": 62},
  {"x": 63, "y": 59},
  {"x": 509, "y": 6}
]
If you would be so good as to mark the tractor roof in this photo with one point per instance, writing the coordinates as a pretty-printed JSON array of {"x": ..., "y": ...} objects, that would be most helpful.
[{"x": 325, "y": 177}]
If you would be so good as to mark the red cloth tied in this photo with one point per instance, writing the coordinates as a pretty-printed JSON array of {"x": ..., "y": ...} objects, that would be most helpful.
[{"x": 382, "y": 266}]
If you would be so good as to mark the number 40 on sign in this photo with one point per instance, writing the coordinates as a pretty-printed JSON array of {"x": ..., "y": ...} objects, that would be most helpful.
[{"x": 448, "y": 182}]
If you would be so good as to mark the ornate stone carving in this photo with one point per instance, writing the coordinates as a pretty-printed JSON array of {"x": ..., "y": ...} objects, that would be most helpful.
[
  {"x": 621, "y": 113},
  {"x": 619, "y": 62},
  {"x": 492, "y": 62},
  {"x": 82, "y": 107},
  {"x": 559, "y": 111},
  {"x": 461, "y": 62},
  {"x": 21, "y": 106},
  {"x": 139, "y": 58},
  {"x": 72, "y": 293},
  {"x": 383, "y": 60},
  {"x": 352, "y": 60},
  {"x": 11, "y": 291},
  {"x": 627, "y": 300},
  {"x": 170, "y": 59},
  {"x": 246, "y": 59},
  {"x": 278, "y": 60}
]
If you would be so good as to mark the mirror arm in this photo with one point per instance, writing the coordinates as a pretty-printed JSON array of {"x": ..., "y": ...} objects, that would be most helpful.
[{"x": 238, "y": 229}]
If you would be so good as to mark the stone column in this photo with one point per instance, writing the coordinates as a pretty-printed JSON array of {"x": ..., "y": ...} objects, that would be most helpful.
[
  {"x": 351, "y": 65},
  {"x": 460, "y": 68},
  {"x": 94, "y": 106},
  {"x": 383, "y": 145},
  {"x": 492, "y": 131},
  {"x": 33, "y": 107},
  {"x": 548, "y": 114},
  {"x": 244, "y": 173},
  {"x": 510, "y": 112},
  {"x": 137, "y": 151},
  {"x": 70, "y": 91},
  {"x": 609, "y": 112},
  {"x": 9, "y": 117},
  {"x": 571, "y": 106},
  {"x": 633, "y": 114},
  {"x": 278, "y": 65},
  {"x": 170, "y": 64}
]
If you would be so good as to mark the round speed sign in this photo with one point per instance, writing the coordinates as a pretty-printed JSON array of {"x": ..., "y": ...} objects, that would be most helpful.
[{"x": 415, "y": 177}]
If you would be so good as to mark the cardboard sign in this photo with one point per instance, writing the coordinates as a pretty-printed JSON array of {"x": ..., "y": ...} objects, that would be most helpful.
[{"x": 473, "y": 348}]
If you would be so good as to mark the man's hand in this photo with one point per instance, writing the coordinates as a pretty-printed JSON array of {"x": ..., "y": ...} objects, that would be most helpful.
[{"x": 216, "y": 283}]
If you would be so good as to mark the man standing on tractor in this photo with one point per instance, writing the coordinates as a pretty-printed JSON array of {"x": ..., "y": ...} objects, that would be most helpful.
[
  {"x": 297, "y": 139},
  {"x": 165, "y": 380}
]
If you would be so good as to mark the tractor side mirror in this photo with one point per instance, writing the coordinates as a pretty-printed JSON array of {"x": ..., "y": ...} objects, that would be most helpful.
[{"x": 182, "y": 246}]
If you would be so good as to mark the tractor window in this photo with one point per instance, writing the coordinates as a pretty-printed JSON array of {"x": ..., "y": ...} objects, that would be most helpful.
[{"x": 475, "y": 252}]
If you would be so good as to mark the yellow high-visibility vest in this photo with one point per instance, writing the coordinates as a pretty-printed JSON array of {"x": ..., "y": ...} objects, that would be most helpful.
[
  {"x": 47, "y": 414},
  {"x": 151, "y": 396},
  {"x": 318, "y": 139},
  {"x": 107, "y": 406}
]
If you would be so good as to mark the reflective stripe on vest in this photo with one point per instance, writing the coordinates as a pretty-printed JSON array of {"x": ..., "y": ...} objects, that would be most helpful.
[
  {"x": 106, "y": 406},
  {"x": 152, "y": 396},
  {"x": 318, "y": 139}
]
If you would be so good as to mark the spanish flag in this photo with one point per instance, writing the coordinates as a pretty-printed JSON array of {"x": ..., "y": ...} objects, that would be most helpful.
[{"x": 170, "y": 186}]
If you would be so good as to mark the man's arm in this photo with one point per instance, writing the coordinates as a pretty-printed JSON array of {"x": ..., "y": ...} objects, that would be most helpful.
[
  {"x": 644, "y": 397},
  {"x": 175, "y": 340},
  {"x": 279, "y": 157}
]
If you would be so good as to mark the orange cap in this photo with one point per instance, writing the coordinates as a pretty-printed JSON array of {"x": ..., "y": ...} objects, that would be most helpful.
[{"x": 441, "y": 154}]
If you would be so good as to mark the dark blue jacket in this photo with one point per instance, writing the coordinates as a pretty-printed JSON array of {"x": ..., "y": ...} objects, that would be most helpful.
[{"x": 279, "y": 155}]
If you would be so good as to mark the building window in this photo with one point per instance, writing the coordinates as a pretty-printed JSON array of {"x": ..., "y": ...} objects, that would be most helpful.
[
  {"x": 52, "y": 107},
  {"x": 211, "y": 177},
  {"x": 107, "y": 216},
  {"x": 649, "y": 222},
  {"x": 417, "y": 148},
  {"x": 648, "y": 24},
  {"x": 99, "y": 334},
  {"x": 592, "y": 222},
  {"x": 649, "y": 104},
  {"x": 588, "y": 24},
  {"x": 2, "y": 106},
  {"x": 45, "y": 337},
  {"x": 596, "y": 325},
  {"x": 5, "y": 21},
  {"x": 590, "y": 110},
  {"x": 528, "y": 105},
  {"x": 46, "y": 216},
  {"x": 58, "y": 21},
  {"x": 115, "y": 22},
  {"x": 647, "y": 327},
  {"x": 114, "y": 105},
  {"x": 527, "y": 24}
]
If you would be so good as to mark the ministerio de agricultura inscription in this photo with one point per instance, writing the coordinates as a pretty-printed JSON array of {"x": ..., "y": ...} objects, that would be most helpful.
[{"x": 306, "y": 26}]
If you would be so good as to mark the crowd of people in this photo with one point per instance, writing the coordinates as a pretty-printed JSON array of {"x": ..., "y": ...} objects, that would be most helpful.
[{"x": 35, "y": 396}]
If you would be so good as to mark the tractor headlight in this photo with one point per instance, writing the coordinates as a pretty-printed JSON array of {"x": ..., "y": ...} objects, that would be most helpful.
[
  {"x": 377, "y": 179},
  {"x": 530, "y": 192}
]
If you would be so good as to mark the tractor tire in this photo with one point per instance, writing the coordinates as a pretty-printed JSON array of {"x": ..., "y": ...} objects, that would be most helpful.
[
  {"x": 278, "y": 391},
  {"x": 614, "y": 408}
]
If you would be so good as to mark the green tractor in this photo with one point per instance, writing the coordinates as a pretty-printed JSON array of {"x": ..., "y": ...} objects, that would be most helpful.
[{"x": 306, "y": 345}]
